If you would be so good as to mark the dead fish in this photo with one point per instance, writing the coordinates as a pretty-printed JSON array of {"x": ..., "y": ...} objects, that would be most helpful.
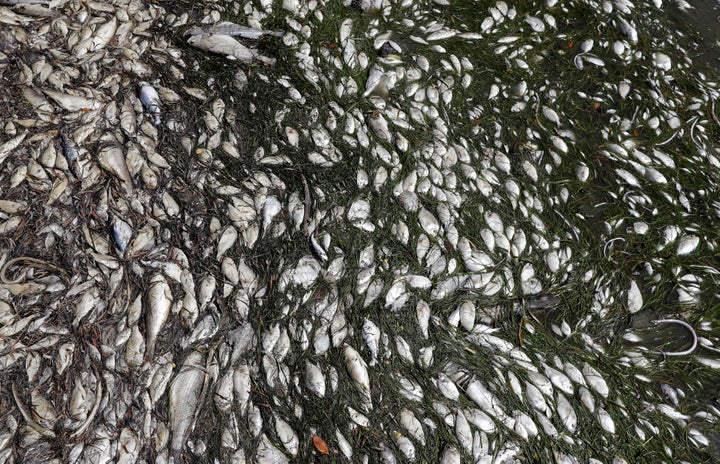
[
  {"x": 366, "y": 5},
  {"x": 98, "y": 41},
  {"x": 9, "y": 146},
  {"x": 371, "y": 336},
  {"x": 159, "y": 300},
  {"x": 232, "y": 29},
  {"x": 357, "y": 368},
  {"x": 71, "y": 153},
  {"x": 72, "y": 102},
  {"x": 151, "y": 100},
  {"x": 112, "y": 159},
  {"x": 379, "y": 125},
  {"x": 229, "y": 47},
  {"x": 314, "y": 379},
  {"x": 186, "y": 394}
]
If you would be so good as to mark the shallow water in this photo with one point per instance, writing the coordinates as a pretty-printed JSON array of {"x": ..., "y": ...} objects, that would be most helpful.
[{"x": 704, "y": 18}]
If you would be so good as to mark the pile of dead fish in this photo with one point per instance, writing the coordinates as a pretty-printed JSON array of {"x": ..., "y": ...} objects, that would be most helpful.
[{"x": 383, "y": 231}]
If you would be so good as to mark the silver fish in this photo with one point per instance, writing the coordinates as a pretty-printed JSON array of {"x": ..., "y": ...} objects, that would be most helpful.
[
  {"x": 151, "y": 100},
  {"x": 232, "y": 29},
  {"x": 187, "y": 392},
  {"x": 159, "y": 300},
  {"x": 228, "y": 46},
  {"x": 122, "y": 232},
  {"x": 71, "y": 153},
  {"x": 371, "y": 336}
]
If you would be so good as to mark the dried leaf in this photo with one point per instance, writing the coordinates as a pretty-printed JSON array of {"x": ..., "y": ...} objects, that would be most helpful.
[{"x": 320, "y": 445}]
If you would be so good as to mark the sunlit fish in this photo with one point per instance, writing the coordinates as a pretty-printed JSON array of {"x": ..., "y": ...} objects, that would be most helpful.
[{"x": 232, "y": 29}]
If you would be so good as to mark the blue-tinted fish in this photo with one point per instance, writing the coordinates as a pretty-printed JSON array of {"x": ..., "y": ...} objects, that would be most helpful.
[
  {"x": 151, "y": 100},
  {"x": 71, "y": 153},
  {"x": 122, "y": 232}
]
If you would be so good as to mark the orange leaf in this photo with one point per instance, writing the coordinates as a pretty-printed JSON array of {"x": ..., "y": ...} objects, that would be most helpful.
[{"x": 320, "y": 445}]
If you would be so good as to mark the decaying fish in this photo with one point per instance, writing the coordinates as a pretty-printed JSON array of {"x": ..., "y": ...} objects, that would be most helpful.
[
  {"x": 151, "y": 100},
  {"x": 159, "y": 300},
  {"x": 112, "y": 159},
  {"x": 232, "y": 29},
  {"x": 371, "y": 336},
  {"x": 187, "y": 392},
  {"x": 122, "y": 233},
  {"x": 72, "y": 102},
  {"x": 229, "y": 47},
  {"x": 71, "y": 153},
  {"x": 366, "y": 5},
  {"x": 357, "y": 368}
]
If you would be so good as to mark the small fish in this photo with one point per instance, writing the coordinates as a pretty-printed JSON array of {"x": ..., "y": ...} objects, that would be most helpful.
[
  {"x": 344, "y": 444},
  {"x": 159, "y": 298},
  {"x": 9, "y": 146},
  {"x": 595, "y": 380},
  {"x": 121, "y": 232},
  {"x": 366, "y": 5},
  {"x": 241, "y": 387},
  {"x": 605, "y": 421},
  {"x": 72, "y": 102},
  {"x": 287, "y": 436},
  {"x": 270, "y": 209},
  {"x": 314, "y": 379},
  {"x": 566, "y": 413},
  {"x": 232, "y": 29},
  {"x": 375, "y": 84},
  {"x": 226, "y": 45},
  {"x": 71, "y": 153},
  {"x": 386, "y": 454},
  {"x": 451, "y": 456},
  {"x": 371, "y": 336},
  {"x": 151, "y": 100},
  {"x": 187, "y": 392},
  {"x": 266, "y": 452},
  {"x": 357, "y": 368}
]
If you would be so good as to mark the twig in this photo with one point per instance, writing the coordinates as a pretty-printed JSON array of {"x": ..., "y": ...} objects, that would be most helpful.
[
  {"x": 28, "y": 415},
  {"x": 712, "y": 112}
]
